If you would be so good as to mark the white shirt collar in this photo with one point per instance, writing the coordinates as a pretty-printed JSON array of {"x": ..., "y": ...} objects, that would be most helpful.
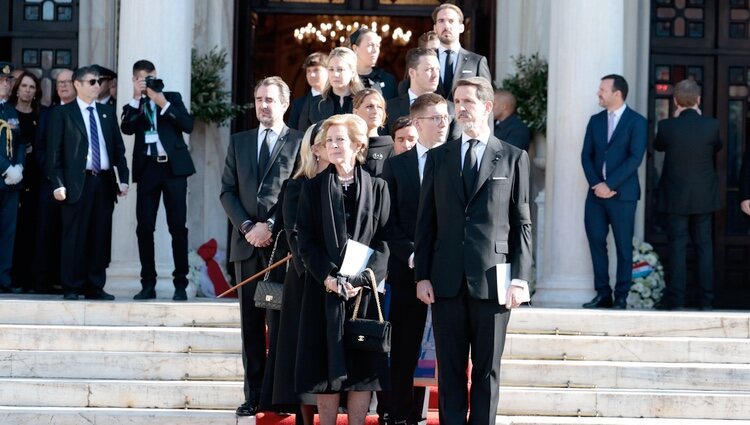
[
  {"x": 441, "y": 50},
  {"x": 83, "y": 105},
  {"x": 421, "y": 149},
  {"x": 412, "y": 96},
  {"x": 314, "y": 92},
  {"x": 618, "y": 112},
  {"x": 483, "y": 138},
  {"x": 276, "y": 129}
]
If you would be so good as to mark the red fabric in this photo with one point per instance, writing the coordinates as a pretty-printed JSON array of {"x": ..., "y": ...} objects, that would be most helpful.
[
  {"x": 207, "y": 251},
  {"x": 271, "y": 419}
]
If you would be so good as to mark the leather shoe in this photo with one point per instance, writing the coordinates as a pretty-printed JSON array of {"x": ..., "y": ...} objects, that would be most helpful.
[
  {"x": 5, "y": 289},
  {"x": 145, "y": 294},
  {"x": 246, "y": 409},
  {"x": 707, "y": 308},
  {"x": 599, "y": 301},
  {"x": 620, "y": 304},
  {"x": 179, "y": 294},
  {"x": 100, "y": 295},
  {"x": 70, "y": 296}
]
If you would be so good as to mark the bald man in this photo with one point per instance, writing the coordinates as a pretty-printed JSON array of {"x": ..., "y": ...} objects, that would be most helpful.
[{"x": 508, "y": 127}]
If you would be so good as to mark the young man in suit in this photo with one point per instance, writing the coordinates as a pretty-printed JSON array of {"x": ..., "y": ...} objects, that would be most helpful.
[
  {"x": 508, "y": 127},
  {"x": 455, "y": 61},
  {"x": 404, "y": 173},
  {"x": 84, "y": 149},
  {"x": 473, "y": 215},
  {"x": 12, "y": 157},
  {"x": 613, "y": 149},
  {"x": 257, "y": 163},
  {"x": 688, "y": 193},
  {"x": 424, "y": 76},
  {"x": 161, "y": 165},
  {"x": 316, "y": 74}
]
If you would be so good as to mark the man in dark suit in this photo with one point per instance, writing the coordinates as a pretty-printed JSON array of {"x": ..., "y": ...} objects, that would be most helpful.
[
  {"x": 316, "y": 74},
  {"x": 85, "y": 150},
  {"x": 161, "y": 164},
  {"x": 12, "y": 157},
  {"x": 403, "y": 173},
  {"x": 508, "y": 127},
  {"x": 688, "y": 192},
  {"x": 424, "y": 75},
  {"x": 473, "y": 215},
  {"x": 258, "y": 161},
  {"x": 613, "y": 149},
  {"x": 455, "y": 61},
  {"x": 107, "y": 78}
]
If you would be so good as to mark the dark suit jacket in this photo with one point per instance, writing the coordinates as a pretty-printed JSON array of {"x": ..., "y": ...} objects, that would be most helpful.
[
  {"x": 382, "y": 81},
  {"x": 623, "y": 154},
  {"x": 467, "y": 235},
  {"x": 469, "y": 64},
  {"x": 242, "y": 195},
  {"x": 401, "y": 172},
  {"x": 745, "y": 177},
  {"x": 379, "y": 149},
  {"x": 689, "y": 183},
  {"x": 399, "y": 107},
  {"x": 170, "y": 126},
  {"x": 512, "y": 130},
  {"x": 316, "y": 109},
  {"x": 295, "y": 110},
  {"x": 67, "y": 146}
]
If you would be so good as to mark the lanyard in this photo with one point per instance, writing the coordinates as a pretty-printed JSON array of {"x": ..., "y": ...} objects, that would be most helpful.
[{"x": 151, "y": 115}]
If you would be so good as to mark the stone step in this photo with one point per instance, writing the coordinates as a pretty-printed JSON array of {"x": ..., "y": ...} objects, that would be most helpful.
[
  {"x": 627, "y": 349},
  {"x": 514, "y": 401},
  {"x": 120, "y": 338},
  {"x": 43, "y": 309},
  {"x": 47, "y": 309}
]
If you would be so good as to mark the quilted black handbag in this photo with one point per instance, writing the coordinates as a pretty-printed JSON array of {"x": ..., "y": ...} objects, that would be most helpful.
[
  {"x": 268, "y": 294},
  {"x": 367, "y": 334}
]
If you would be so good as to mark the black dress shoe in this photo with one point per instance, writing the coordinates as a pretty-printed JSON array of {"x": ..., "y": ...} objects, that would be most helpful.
[
  {"x": 179, "y": 294},
  {"x": 246, "y": 409},
  {"x": 599, "y": 301},
  {"x": 70, "y": 296},
  {"x": 100, "y": 295},
  {"x": 5, "y": 289},
  {"x": 145, "y": 294},
  {"x": 620, "y": 304},
  {"x": 707, "y": 308}
]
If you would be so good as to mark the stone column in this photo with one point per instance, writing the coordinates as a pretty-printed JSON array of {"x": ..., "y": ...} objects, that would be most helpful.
[
  {"x": 161, "y": 32},
  {"x": 97, "y": 33},
  {"x": 586, "y": 43},
  {"x": 522, "y": 29}
]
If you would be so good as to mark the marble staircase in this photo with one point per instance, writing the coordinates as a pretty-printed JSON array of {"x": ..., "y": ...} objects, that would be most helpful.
[{"x": 179, "y": 363}]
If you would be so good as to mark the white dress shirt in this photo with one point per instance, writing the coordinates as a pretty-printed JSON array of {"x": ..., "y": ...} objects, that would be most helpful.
[
  {"x": 421, "y": 158},
  {"x": 135, "y": 103},
  {"x": 273, "y": 136},
  {"x": 103, "y": 156},
  {"x": 442, "y": 57},
  {"x": 479, "y": 148},
  {"x": 618, "y": 114}
]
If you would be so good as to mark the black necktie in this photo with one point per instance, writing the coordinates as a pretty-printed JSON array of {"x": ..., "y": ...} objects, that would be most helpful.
[
  {"x": 448, "y": 76},
  {"x": 265, "y": 154},
  {"x": 469, "y": 171}
]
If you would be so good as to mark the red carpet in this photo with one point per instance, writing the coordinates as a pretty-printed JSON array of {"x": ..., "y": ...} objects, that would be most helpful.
[{"x": 272, "y": 419}]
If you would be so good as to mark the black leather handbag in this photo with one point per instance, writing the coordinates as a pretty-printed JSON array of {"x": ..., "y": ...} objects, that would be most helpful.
[
  {"x": 268, "y": 294},
  {"x": 367, "y": 334}
]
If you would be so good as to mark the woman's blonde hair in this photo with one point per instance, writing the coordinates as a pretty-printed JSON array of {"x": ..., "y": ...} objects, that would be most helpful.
[
  {"x": 363, "y": 94},
  {"x": 356, "y": 128},
  {"x": 350, "y": 58},
  {"x": 308, "y": 163}
]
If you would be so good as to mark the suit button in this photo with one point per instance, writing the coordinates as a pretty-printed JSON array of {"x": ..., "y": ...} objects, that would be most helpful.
[{"x": 467, "y": 219}]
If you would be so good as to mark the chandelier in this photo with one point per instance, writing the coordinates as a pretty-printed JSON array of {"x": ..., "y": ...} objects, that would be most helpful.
[{"x": 338, "y": 31}]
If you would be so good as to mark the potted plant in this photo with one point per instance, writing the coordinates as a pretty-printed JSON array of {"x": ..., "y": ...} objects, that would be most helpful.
[
  {"x": 209, "y": 102},
  {"x": 529, "y": 86}
]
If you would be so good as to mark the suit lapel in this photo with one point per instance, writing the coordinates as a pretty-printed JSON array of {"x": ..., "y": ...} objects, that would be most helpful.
[
  {"x": 412, "y": 162},
  {"x": 78, "y": 117},
  {"x": 453, "y": 168},
  {"x": 104, "y": 122},
  {"x": 620, "y": 124},
  {"x": 492, "y": 153},
  {"x": 252, "y": 147}
]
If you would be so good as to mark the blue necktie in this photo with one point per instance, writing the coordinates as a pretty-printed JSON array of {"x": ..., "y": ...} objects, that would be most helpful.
[{"x": 96, "y": 165}]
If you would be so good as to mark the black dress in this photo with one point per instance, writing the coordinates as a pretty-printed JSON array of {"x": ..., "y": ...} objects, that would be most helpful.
[
  {"x": 332, "y": 216},
  {"x": 379, "y": 148},
  {"x": 382, "y": 81},
  {"x": 284, "y": 393},
  {"x": 318, "y": 108}
]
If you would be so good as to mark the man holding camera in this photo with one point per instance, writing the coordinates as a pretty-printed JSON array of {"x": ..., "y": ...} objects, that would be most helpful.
[{"x": 161, "y": 165}]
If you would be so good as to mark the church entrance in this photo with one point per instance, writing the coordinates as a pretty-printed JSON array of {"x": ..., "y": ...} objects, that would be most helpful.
[{"x": 710, "y": 42}]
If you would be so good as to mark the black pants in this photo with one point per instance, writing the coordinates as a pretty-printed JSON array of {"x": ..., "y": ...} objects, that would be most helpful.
[
  {"x": 83, "y": 258},
  {"x": 8, "y": 214},
  {"x": 679, "y": 230},
  {"x": 157, "y": 179},
  {"x": 47, "y": 252},
  {"x": 463, "y": 324}
]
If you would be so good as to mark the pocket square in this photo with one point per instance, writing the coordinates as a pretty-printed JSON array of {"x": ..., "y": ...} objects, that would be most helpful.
[
  {"x": 465, "y": 71},
  {"x": 499, "y": 178}
]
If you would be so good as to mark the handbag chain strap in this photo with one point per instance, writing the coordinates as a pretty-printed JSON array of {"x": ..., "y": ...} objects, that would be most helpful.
[
  {"x": 374, "y": 293},
  {"x": 273, "y": 251}
]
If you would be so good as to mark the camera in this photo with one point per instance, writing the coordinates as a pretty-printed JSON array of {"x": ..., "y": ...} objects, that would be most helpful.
[{"x": 154, "y": 84}]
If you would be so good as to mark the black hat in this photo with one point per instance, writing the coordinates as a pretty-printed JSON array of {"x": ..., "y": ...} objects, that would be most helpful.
[
  {"x": 105, "y": 73},
  {"x": 6, "y": 68}
]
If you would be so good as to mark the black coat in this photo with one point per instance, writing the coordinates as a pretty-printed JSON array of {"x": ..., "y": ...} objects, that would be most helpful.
[
  {"x": 317, "y": 109},
  {"x": 323, "y": 364},
  {"x": 379, "y": 149},
  {"x": 512, "y": 130},
  {"x": 170, "y": 126},
  {"x": 382, "y": 81},
  {"x": 689, "y": 183}
]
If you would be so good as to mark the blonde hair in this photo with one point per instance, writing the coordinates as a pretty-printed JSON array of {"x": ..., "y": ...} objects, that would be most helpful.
[
  {"x": 350, "y": 58},
  {"x": 364, "y": 94},
  {"x": 308, "y": 164},
  {"x": 356, "y": 128}
]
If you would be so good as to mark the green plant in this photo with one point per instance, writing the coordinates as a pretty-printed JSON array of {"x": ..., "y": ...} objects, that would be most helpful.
[
  {"x": 529, "y": 86},
  {"x": 209, "y": 102}
]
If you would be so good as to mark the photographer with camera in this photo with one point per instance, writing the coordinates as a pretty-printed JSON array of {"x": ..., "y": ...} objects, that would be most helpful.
[{"x": 161, "y": 165}]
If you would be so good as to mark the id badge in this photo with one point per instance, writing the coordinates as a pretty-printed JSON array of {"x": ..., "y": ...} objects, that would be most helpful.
[{"x": 152, "y": 137}]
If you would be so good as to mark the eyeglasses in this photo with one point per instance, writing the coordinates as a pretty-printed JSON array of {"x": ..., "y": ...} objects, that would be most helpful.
[
  {"x": 92, "y": 82},
  {"x": 436, "y": 119},
  {"x": 63, "y": 82}
]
